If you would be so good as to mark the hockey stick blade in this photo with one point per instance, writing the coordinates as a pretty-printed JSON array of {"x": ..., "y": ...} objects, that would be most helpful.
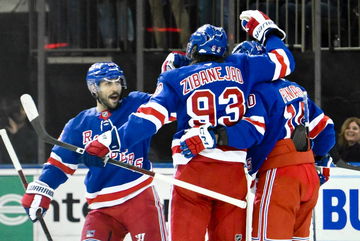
[
  {"x": 30, "y": 108},
  {"x": 33, "y": 116},
  {"x": 22, "y": 177}
]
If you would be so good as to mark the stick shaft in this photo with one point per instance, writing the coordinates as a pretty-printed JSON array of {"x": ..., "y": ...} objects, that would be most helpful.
[
  {"x": 306, "y": 111},
  {"x": 22, "y": 177},
  {"x": 203, "y": 191},
  {"x": 10, "y": 150},
  {"x": 179, "y": 183},
  {"x": 188, "y": 186},
  {"x": 33, "y": 116},
  {"x": 13, "y": 157}
]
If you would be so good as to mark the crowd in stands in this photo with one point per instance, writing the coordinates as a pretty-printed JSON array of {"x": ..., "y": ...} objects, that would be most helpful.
[{"x": 111, "y": 24}]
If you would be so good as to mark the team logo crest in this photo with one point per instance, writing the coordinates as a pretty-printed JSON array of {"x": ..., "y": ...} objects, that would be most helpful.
[
  {"x": 238, "y": 237},
  {"x": 105, "y": 115},
  {"x": 90, "y": 233},
  {"x": 140, "y": 237}
]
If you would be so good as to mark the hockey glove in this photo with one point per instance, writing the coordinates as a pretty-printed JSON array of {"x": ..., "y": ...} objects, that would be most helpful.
[
  {"x": 323, "y": 173},
  {"x": 196, "y": 140},
  {"x": 100, "y": 147},
  {"x": 174, "y": 60},
  {"x": 93, "y": 161},
  {"x": 259, "y": 26},
  {"x": 325, "y": 161},
  {"x": 322, "y": 166},
  {"x": 37, "y": 199}
]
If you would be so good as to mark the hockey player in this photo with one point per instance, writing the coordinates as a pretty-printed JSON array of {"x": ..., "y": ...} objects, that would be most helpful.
[
  {"x": 120, "y": 201},
  {"x": 211, "y": 90},
  {"x": 280, "y": 157}
]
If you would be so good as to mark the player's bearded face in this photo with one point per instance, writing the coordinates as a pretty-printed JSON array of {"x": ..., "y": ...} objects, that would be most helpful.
[{"x": 109, "y": 94}]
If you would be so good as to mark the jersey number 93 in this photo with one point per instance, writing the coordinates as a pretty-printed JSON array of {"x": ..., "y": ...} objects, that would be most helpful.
[{"x": 202, "y": 107}]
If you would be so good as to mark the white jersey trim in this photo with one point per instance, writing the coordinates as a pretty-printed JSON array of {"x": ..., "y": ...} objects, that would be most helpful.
[
  {"x": 278, "y": 65},
  {"x": 317, "y": 120},
  {"x": 226, "y": 156},
  {"x": 97, "y": 205},
  {"x": 117, "y": 188},
  {"x": 59, "y": 159},
  {"x": 259, "y": 119}
]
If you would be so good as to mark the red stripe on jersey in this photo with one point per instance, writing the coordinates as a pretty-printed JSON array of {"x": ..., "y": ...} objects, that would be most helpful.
[
  {"x": 153, "y": 112},
  {"x": 120, "y": 194},
  {"x": 175, "y": 149},
  {"x": 172, "y": 118},
  {"x": 280, "y": 58},
  {"x": 319, "y": 127},
  {"x": 60, "y": 165},
  {"x": 255, "y": 123}
]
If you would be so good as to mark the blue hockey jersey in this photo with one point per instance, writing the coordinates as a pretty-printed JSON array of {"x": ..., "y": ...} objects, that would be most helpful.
[
  {"x": 281, "y": 105},
  {"x": 207, "y": 92},
  {"x": 110, "y": 185}
]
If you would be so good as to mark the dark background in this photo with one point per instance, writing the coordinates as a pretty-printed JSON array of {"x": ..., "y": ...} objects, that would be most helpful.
[{"x": 67, "y": 94}]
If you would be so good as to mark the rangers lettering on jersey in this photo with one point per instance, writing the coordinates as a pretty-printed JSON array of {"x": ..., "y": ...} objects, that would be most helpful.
[
  {"x": 290, "y": 93},
  {"x": 207, "y": 76}
]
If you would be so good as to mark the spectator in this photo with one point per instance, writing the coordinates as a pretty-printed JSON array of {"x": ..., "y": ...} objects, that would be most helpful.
[
  {"x": 66, "y": 23},
  {"x": 181, "y": 17},
  {"x": 209, "y": 12},
  {"x": 349, "y": 140},
  {"x": 116, "y": 23},
  {"x": 22, "y": 136}
]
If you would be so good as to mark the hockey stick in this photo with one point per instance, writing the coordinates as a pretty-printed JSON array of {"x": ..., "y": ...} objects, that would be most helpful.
[
  {"x": 22, "y": 177},
  {"x": 342, "y": 164},
  {"x": 306, "y": 112},
  {"x": 33, "y": 116}
]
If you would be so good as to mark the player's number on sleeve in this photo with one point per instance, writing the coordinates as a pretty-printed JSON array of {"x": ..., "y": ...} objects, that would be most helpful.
[
  {"x": 201, "y": 106},
  {"x": 294, "y": 117}
]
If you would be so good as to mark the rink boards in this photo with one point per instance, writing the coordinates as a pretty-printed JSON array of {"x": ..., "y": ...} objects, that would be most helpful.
[{"x": 337, "y": 215}]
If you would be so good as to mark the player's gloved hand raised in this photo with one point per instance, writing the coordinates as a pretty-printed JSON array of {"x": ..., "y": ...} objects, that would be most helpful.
[
  {"x": 259, "y": 26},
  {"x": 36, "y": 199},
  {"x": 197, "y": 139},
  {"x": 174, "y": 60},
  {"x": 100, "y": 147}
]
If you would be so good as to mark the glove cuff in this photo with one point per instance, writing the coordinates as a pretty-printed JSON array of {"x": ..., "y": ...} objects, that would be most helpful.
[
  {"x": 275, "y": 30},
  {"x": 39, "y": 187},
  {"x": 207, "y": 137}
]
